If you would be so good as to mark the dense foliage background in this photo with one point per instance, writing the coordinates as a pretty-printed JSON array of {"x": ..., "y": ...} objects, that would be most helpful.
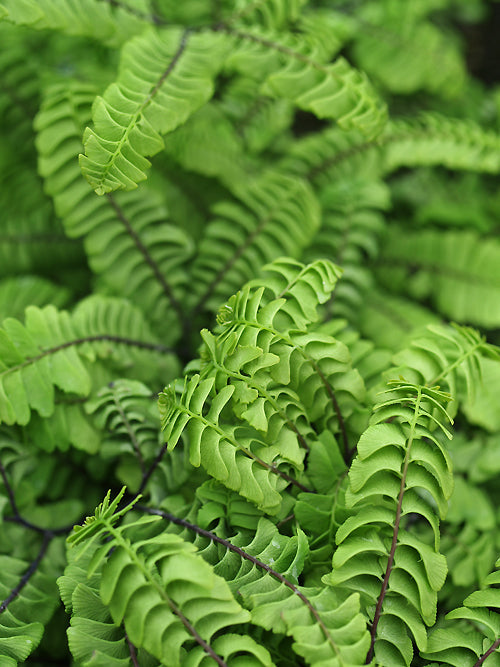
[{"x": 315, "y": 476}]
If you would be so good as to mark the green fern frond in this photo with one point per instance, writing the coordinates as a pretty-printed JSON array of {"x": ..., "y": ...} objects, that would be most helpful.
[
  {"x": 263, "y": 567},
  {"x": 37, "y": 244},
  {"x": 310, "y": 363},
  {"x": 52, "y": 349},
  {"x": 231, "y": 453},
  {"x": 457, "y": 270},
  {"x": 426, "y": 140},
  {"x": 401, "y": 469},
  {"x": 131, "y": 245},
  {"x": 169, "y": 586},
  {"x": 164, "y": 77},
  {"x": 474, "y": 637},
  {"x": 449, "y": 356},
  {"x": 125, "y": 412},
  {"x": 271, "y": 14},
  {"x": 209, "y": 144},
  {"x": 259, "y": 120},
  {"x": 292, "y": 69},
  {"x": 400, "y": 51},
  {"x": 335, "y": 636},
  {"x": 112, "y": 24},
  {"x": 432, "y": 139},
  {"x": 278, "y": 215},
  {"x": 392, "y": 322},
  {"x": 20, "y": 82}
]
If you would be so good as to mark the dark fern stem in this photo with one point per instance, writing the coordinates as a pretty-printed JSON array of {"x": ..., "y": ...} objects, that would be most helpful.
[{"x": 47, "y": 536}]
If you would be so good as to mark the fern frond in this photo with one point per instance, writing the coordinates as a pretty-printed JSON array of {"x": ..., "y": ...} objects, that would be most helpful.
[
  {"x": 425, "y": 140},
  {"x": 401, "y": 469},
  {"x": 271, "y": 14},
  {"x": 260, "y": 120},
  {"x": 457, "y": 270},
  {"x": 475, "y": 634},
  {"x": 125, "y": 412},
  {"x": 19, "y": 101},
  {"x": 164, "y": 77},
  {"x": 277, "y": 216},
  {"x": 450, "y": 356},
  {"x": 263, "y": 567},
  {"x": 110, "y": 23},
  {"x": 392, "y": 322},
  {"x": 168, "y": 586},
  {"x": 314, "y": 365},
  {"x": 291, "y": 69},
  {"x": 400, "y": 51},
  {"x": 336, "y": 635},
  {"x": 349, "y": 236},
  {"x": 94, "y": 639},
  {"x": 236, "y": 456},
  {"x": 432, "y": 139},
  {"x": 208, "y": 144},
  {"x": 50, "y": 350},
  {"x": 131, "y": 245}
]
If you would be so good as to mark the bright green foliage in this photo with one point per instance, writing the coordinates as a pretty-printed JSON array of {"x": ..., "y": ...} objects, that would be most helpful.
[
  {"x": 472, "y": 630},
  {"x": 169, "y": 70},
  {"x": 162, "y": 592},
  {"x": 249, "y": 310},
  {"x": 397, "y": 473},
  {"x": 112, "y": 25}
]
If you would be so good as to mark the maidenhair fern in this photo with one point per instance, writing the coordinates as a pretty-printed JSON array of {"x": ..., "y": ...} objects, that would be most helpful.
[{"x": 249, "y": 311}]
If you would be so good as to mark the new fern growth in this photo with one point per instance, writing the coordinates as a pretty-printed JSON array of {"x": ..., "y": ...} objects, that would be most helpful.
[{"x": 249, "y": 315}]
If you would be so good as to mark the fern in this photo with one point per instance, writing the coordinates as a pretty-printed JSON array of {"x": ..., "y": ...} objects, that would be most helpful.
[
  {"x": 181, "y": 614},
  {"x": 271, "y": 209},
  {"x": 375, "y": 554},
  {"x": 157, "y": 68},
  {"x": 115, "y": 22}
]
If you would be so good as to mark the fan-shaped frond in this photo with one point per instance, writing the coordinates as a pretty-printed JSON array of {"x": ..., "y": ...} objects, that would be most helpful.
[
  {"x": 112, "y": 23},
  {"x": 131, "y": 245},
  {"x": 401, "y": 469},
  {"x": 277, "y": 215},
  {"x": 164, "y": 77}
]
